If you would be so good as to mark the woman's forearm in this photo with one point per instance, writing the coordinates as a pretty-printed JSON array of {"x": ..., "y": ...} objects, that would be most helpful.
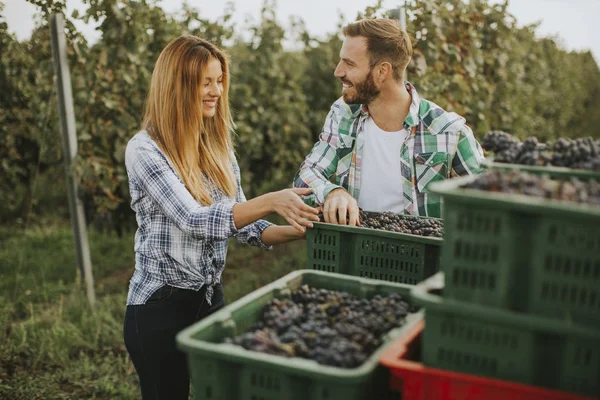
[
  {"x": 276, "y": 234},
  {"x": 250, "y": 211},
  {"x": 286, "y": 202}
]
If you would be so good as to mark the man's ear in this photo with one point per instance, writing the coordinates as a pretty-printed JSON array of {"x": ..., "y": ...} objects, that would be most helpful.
[{"x": 384, "y": 70}]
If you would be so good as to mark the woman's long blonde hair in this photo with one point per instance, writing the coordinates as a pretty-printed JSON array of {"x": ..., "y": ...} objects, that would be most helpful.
[{"x": 199, "y": 148}]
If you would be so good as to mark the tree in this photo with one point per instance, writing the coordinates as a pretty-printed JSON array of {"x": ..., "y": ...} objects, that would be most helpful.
[
  {"x": 469, "y": 57},
  {"x": 28, "y": 122},
  {"x": 271, "y": 112}
]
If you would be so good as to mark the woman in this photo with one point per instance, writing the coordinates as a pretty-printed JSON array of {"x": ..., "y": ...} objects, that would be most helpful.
[{"x": 185, "y": 189}]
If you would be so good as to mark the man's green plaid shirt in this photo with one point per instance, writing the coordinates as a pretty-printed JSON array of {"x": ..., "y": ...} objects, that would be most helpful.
[{"x": 438, "y": 145}]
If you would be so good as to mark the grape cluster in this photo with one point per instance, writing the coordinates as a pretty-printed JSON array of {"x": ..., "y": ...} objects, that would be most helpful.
[
  {"x": 331, "y": 327},
  {"x": 402, "y": 223},
  {"x": 516, "y": 182},
  {"x": 504, "y": 146},
  {"x": 581, "y": 153},
  {"x": 389, "y": 221}
]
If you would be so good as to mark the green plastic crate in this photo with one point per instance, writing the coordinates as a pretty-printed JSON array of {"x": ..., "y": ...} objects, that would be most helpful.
[
  {"x": 372, "y": 253},
  {"x": 471, "y": 338},
  {"x": 555, "y": 172},
  {"x": 222, "y": 371},
  {"x": 522, "y": 253}
]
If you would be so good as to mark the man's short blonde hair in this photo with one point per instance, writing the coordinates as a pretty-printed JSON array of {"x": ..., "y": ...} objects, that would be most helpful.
[{"x": 386, "y": 41}]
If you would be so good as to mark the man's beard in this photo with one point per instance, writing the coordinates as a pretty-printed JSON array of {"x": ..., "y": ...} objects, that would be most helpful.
[{"x": 365, "y": 91}]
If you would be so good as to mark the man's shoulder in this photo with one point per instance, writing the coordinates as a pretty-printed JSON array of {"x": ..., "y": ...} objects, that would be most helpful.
[{"x": 437, "y": 120}]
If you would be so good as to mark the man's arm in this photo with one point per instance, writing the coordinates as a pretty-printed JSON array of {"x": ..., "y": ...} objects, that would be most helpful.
[
  {"x": 320, "y": 164},
  {"x": 469, "y": 155}
]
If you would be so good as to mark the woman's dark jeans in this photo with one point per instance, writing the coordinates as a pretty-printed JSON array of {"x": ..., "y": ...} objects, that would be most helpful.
[{"x": 149, "y": 333}]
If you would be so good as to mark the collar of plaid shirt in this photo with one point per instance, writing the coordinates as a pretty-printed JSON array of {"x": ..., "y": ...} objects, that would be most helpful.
[{"x": 427, "y": 155}]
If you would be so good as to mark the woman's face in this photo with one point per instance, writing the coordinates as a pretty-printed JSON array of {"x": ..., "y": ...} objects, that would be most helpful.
[{"x": 212, "y": 87}]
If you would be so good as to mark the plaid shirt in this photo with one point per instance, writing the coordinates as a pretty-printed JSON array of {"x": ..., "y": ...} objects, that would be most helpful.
[
  {"x": 178, "y": 241},
  {"x": 438, "y": 145}
]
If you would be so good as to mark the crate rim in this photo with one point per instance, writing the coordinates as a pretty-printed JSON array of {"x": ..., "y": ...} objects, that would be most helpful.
[
  {"x": 421, "y": 295},
  {"x": 452, "y": 189},
  {"x": 378, "y": 232},
  {"x": 303, "y": 367},
  {"x": 536, "y": 169}
]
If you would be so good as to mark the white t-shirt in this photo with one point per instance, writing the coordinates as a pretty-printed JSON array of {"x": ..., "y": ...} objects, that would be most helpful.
[{"x": 381, "y": 187}]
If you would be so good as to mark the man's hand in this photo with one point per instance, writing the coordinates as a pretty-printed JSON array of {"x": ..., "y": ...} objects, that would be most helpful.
[{"x": 340, "y": 207}]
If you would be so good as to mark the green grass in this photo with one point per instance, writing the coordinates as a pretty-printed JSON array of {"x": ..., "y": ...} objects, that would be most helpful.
[
  {"x": 40, "y": 263},
  {"x": 52, "y": 345}
]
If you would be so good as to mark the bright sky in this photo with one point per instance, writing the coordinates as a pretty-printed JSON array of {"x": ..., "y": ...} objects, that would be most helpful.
[{"x": 575, "y": 22}]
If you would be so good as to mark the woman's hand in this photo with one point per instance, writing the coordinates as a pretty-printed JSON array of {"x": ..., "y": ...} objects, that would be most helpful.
[{"x": 289, "y": 205}]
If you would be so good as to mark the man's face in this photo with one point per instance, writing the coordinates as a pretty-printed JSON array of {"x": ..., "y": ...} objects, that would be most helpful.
[{"x": 353, "y": 70}]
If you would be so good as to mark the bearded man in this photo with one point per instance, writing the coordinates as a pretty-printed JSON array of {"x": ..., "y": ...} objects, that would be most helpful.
[{"x": 383, "y": 144}]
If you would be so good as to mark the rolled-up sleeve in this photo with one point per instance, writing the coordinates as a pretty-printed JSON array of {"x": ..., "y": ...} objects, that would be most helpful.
[
  {"x": 152, "y": 173},
  {"x": 469, "y": 155}
]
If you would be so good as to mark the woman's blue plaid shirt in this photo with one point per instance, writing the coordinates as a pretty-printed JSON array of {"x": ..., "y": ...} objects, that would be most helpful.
[{"x": 178, "y": 242}]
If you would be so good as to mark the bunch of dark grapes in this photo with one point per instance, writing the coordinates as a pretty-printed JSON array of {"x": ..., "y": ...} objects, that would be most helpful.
[
  {"x": 531, "y": 152},
  {"x": 516, "y": 182},
  {"x": 504, "y": 146},
  {"x": 389, "y": 221},
  {"x": 402, "y": 223},
  {"x": 333, "y": 328},
  {"x": 581, "y": 153}
]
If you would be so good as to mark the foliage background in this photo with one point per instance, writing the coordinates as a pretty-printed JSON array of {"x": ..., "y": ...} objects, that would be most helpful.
[{"x": 470, "y": 57}]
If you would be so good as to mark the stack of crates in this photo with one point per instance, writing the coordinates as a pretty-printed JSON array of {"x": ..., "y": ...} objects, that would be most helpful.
[
  {"x": 521, "y": 298},
  {"x": 415, "y": 381},
  {"x": 372, "y": 253}
]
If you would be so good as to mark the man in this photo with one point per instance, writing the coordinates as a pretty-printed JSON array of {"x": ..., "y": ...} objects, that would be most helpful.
[{"x": 383, "y": 143}]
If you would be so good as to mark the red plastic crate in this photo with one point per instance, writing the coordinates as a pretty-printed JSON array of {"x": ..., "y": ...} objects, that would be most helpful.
[{"x": 417, "y": 382}]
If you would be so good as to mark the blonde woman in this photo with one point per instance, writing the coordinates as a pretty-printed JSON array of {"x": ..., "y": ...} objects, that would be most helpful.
[{"x": 185, "y": 190}]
